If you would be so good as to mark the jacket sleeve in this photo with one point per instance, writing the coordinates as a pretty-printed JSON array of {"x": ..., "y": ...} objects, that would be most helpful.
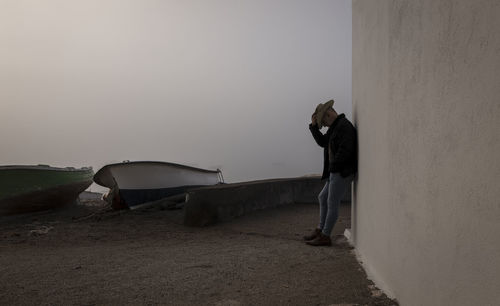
[
  {"x": 346, "y": 150},
  {"x": 321, "y": 140}
]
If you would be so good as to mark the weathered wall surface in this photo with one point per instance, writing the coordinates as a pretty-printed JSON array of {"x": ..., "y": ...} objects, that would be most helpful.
[
  {"x": 426, "y": 91},
  {"x": 209, "y": 205}
]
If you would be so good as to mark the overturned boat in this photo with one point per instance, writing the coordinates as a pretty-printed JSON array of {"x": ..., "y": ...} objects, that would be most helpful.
[
  {"x": 134, "y": 183},
  {"x": 33, "y": 188}
]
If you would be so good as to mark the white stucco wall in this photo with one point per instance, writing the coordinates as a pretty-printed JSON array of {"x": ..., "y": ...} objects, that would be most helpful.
[{"x": 426, "y": 101}]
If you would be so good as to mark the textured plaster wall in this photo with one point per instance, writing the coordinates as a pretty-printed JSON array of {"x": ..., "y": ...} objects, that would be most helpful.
[{"x": 426, "y": 101}]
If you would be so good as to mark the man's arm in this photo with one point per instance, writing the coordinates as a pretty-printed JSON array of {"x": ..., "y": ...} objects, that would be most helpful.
[{"x": 321, "y": 140}]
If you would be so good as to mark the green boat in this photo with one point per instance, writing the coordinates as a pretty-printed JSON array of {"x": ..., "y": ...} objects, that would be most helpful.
[{"x": 34, "y": 188}]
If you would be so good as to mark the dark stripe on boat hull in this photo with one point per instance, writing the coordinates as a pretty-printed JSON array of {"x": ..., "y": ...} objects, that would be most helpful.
[{"x": 133, "y": 197}]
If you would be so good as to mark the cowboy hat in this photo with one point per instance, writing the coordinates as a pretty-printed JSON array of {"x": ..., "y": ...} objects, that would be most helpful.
[{"x": 321, "y": 110}]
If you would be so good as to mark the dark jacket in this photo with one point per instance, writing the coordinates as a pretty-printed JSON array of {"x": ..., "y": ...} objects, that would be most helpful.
[{"x": 340, "y": 145}]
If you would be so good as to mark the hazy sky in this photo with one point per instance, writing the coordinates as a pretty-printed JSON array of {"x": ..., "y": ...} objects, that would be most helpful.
[{"x": 210, "y": 83}]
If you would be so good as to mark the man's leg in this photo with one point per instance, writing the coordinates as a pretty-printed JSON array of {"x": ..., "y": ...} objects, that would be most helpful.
[
  {"x": 336, "y": 191},
  {"x": 323, "y": 205},
  {"x": 323, "y": 209}
]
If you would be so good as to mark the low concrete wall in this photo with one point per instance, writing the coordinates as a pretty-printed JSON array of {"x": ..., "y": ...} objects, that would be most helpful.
[{"x": 209, "y": 205}]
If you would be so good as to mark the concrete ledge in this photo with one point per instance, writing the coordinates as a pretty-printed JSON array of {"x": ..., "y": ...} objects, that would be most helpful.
[{"x": 213, "y": 204}]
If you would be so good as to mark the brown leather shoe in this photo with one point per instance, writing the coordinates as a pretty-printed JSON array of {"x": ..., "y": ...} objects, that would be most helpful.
[
  {"x": 320, "y": 240},
  {"x": 313, "y": 235}
]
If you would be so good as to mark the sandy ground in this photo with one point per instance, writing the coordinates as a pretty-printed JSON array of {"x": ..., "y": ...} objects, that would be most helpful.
[{"x": 84, "y": 255}]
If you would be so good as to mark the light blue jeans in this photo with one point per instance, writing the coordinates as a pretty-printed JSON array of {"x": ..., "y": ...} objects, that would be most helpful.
[{"x": 329, "y": 201}]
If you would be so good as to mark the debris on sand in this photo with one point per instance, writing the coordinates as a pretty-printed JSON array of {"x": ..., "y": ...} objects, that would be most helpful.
[{"x": 42, "y": 230}]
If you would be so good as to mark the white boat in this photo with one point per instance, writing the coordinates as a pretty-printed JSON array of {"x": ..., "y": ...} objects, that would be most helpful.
[{"x": 135, "y": 183}]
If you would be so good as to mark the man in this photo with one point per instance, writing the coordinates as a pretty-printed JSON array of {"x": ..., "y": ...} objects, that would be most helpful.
[{"x": 339, "y": 167}]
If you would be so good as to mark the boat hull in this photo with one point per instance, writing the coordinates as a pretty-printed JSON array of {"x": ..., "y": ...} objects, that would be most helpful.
[
  {"x": 34, "y": 188},
  {"x": 42, "y": 200},
  {"x": 135, "y": 183},
  {"x": 134, "y": 197}
]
